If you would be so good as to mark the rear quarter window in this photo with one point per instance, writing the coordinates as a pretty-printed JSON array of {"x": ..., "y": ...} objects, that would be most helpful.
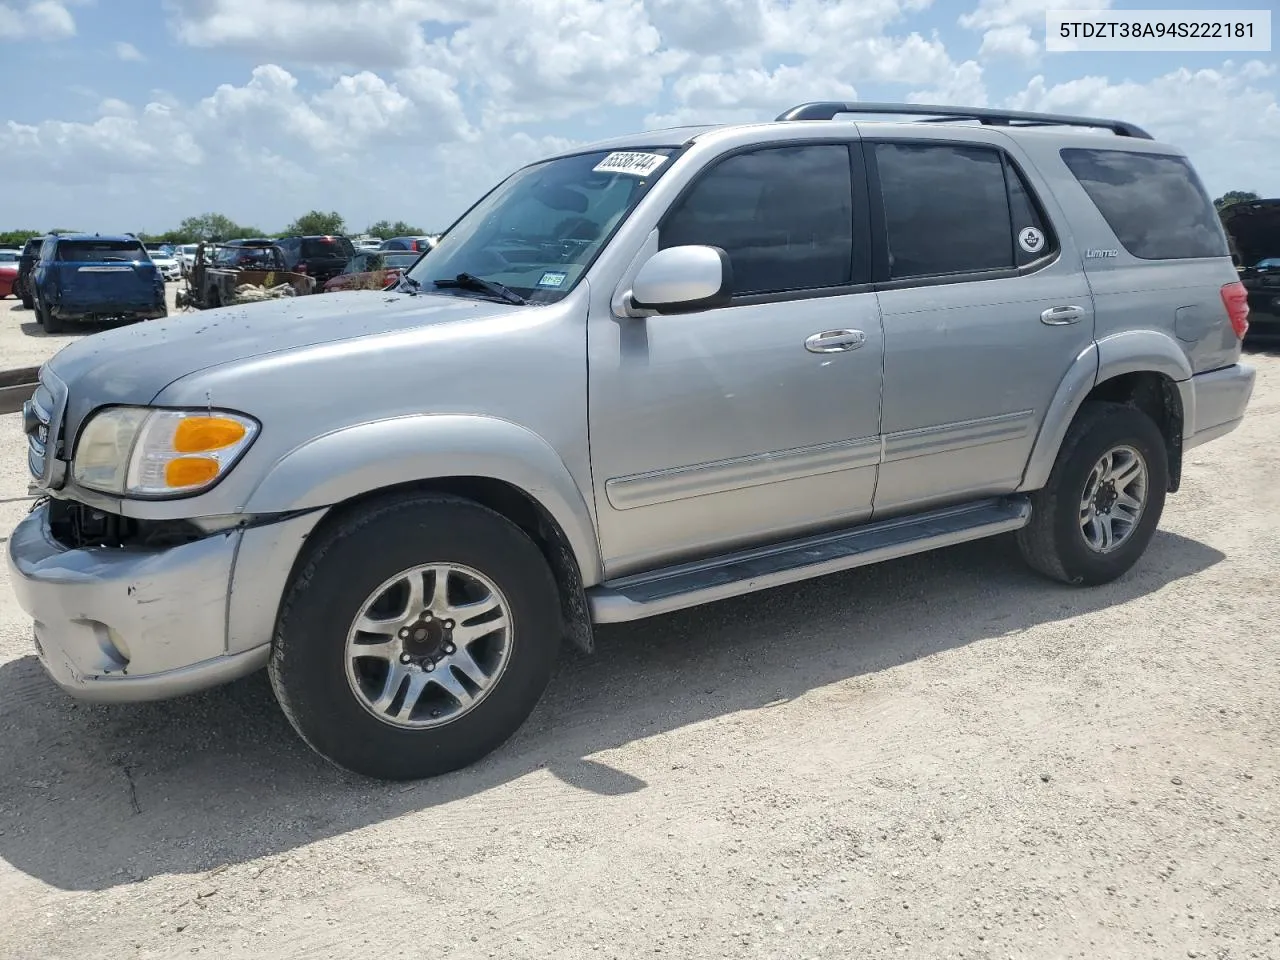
[
  {"x": 1155, "y": 204},
  {"x": 328, "y": 247},
  {"x": 83, "y": 251}
]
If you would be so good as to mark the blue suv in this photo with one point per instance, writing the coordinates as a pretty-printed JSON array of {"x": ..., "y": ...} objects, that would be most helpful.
[{"x": 93, "y": 277}]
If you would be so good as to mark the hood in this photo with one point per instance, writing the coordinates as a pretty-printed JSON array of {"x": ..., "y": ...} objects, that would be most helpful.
[{"x": 133, "y": 364}]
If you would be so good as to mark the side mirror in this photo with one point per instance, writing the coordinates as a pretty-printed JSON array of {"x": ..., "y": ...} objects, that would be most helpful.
[{"x": 683, "y": 279}]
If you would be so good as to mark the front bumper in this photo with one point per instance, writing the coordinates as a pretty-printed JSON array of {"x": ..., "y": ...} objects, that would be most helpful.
[
  {"x": 116, "y": 624},
  {"x": 1221, "y": 397}
]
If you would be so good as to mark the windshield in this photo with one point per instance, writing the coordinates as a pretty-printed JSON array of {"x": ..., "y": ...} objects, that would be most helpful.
[
  {"x": 541, "y": 228},
  {"x": 89, "y": 250},
  {"x": 9, "y": 256}
]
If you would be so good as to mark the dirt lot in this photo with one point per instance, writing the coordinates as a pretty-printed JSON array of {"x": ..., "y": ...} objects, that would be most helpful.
[
  {"x": 24, "y": 344},
  {"x": 939, "y": 757}
]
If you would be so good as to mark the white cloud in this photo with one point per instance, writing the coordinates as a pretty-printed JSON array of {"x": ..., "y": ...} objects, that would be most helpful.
[
  {"x": 991, "y": 14},
  {"x": 1227, "y": 124},
  {"x": 1012, "y": 42},
  {"x": 369, "y": 33},
  {"x": 36, "y": 20},
  {"x": 127, "y": 51},
  {"x": 1010, "y": 27},
  {"x": 413, "y": 108}
]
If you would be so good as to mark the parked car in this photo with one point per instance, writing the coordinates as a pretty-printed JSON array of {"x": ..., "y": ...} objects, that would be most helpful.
[
  {"x": 162, "y": 256},
  {"x": 634, "y": 378},
  {"x": 83, "y": 277},
  {"x": 186, "y": 256},
  {"x": 415, "y": 244},
  {"x": 1254, "y": 229},
  {"x": 371, "y": 271},
  {"x": 318, "y": 257},
  {"x": 8, "y": 271},
  {"x": 26, "y": 263}
]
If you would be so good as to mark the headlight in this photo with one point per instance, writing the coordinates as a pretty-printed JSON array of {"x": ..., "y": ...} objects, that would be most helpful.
[{"x": 145, "y": 452}]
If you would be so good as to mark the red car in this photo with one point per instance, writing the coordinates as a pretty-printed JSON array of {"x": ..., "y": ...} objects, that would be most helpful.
[
  {"x": 8, "y": 271},
  {"x": 373, "y": 270}
]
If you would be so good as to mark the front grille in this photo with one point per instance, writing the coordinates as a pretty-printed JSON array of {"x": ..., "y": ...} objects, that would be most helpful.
[{"x": 76, "y": 526}]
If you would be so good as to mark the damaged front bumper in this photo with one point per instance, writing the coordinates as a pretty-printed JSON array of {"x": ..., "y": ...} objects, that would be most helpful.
[{"x": 132, "y": 622}]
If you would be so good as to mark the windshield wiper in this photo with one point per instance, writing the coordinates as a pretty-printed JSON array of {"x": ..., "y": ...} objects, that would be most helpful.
[
  {"x": 469, "y": 281},
  {"x": 414, "y": 285}
]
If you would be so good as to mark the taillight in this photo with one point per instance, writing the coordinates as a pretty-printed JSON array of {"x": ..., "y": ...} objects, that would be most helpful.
[{"x": 1236, "y": 299}]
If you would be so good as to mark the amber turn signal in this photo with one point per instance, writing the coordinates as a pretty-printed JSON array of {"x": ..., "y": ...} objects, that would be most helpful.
[
  {"x": 199, "y": 434},
  {"x": 190, "y": 471}
]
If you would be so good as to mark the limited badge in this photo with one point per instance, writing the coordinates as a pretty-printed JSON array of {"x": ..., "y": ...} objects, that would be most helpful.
[{"x": 1031, "y": 240}]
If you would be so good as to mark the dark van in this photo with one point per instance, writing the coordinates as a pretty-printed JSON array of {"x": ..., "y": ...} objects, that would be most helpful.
[{"x": 319, "y": 257}]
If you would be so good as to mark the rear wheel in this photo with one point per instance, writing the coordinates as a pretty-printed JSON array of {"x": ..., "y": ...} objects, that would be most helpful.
[
  {"x": 1095, "y": 517},
  {"x": 27, "y": 302},
  {"x": 416, "y": 637},
  {"x": 47, "y": 320}
]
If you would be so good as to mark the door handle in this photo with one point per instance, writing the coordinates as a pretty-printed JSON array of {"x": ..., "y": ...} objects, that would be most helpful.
[
  {"x": 1060, "y": 316},
  {"x": 835, "y": 341}
]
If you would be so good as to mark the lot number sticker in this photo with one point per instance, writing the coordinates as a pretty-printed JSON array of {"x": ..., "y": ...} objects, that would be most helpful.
[
  {"x": 552, "y": 278},
  {"x": 1031, "y": 239},
  {"x": 635, "y": 164}
]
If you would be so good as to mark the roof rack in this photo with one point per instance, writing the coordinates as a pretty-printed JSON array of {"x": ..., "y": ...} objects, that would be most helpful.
[{"x": 828, "y": 110}]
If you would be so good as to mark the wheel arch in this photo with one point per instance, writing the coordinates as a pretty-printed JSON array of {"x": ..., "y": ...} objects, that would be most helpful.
[
  {"x": 495, "y": 463},
  {"x": 1141, "y": 368}
]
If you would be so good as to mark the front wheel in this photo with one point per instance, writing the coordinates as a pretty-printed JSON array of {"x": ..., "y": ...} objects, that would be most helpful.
[
  {"x": 1095, "y": 517},
  {"x": 415, "y": 637}
]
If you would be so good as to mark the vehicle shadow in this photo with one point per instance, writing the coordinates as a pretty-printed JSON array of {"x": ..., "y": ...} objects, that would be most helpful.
[
  {"x": 78, "y": 329},
  {"x": 93, "y": 797}
]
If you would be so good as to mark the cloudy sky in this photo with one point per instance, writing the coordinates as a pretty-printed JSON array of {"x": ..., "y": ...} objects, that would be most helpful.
[{"x": 131, "y": 114}]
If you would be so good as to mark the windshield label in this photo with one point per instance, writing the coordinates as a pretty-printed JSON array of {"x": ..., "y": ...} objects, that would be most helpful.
[
  {"x": 552, "y": 278},
  {"x": 635, "y": 164}
]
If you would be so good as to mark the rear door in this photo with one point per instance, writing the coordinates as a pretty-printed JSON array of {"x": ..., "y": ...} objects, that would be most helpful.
[{"x": 984, "y": 307}]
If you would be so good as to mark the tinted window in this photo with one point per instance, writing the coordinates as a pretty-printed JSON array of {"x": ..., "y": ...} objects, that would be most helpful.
[
  {"x": 784, "y": 215},
  {"x": 1033, "y": 235},
  {"x": 1155, "y": 204},
  {"x": 91, "y": 250},
  {"x": 327, "y": 247},
  {"x": 946, "y": 209}
]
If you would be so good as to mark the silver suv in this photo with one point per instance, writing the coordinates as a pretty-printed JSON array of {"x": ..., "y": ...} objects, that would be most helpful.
[{"x": 642, "y": 375}]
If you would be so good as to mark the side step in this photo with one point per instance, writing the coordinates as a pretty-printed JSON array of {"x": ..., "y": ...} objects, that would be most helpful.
[{"x": 690, "y": 584}]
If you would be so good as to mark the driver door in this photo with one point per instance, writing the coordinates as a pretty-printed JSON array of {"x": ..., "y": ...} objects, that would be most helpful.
[{"x": 740, "y": 425}]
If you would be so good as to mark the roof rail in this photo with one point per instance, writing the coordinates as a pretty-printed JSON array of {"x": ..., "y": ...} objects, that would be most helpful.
[{"x": 827, "y": 110}]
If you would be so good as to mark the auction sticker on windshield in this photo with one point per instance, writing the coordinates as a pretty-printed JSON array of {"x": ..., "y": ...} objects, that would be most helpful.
[{"x": 636, "y": 164}]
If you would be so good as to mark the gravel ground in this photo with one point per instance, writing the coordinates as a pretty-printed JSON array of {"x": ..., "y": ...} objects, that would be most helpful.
[
  {"x": 24, "y": 344},
  {"x": 939, "y": 757}
]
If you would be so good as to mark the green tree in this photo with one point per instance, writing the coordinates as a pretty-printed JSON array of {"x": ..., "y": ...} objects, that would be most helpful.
[
  {"x": 386, "y": 229},
  {"x": 317, "y": 222},
  {"x": 211, "y": 226},
  {"x": 1234, "y": 196}
]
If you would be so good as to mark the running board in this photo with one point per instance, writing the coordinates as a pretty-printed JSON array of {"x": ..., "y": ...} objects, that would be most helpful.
[{"x": 691, "y": 584}]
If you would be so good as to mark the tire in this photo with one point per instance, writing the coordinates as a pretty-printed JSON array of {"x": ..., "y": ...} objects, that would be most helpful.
[
  {"x": 27, "y": 303},
  {"x": 1055, "y": 542},
  {"x": 342, "y": 569},
  {"x": 47, "y": 320}
]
